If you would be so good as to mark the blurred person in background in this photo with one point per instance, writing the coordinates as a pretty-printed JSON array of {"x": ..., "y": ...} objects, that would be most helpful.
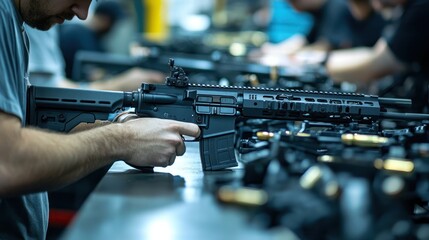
[
  {"x": 284, "y": 25},
  {"x": 405, "y": 51},
  {"x": 47, "y": 67},
  {"x": 337, "y": 24},
  {"x": 89, "y": 36},
  {"x": 286, "y": 22}
]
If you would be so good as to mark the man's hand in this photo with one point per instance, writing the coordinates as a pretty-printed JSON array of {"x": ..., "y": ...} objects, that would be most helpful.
[{"x": 156, "y": 142}]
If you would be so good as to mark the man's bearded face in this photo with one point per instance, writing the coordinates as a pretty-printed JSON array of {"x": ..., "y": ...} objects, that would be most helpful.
[{"x": 43, "y": 14}]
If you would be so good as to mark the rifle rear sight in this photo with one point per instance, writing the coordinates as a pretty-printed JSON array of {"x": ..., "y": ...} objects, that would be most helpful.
[{"x": 177, "y": 76}]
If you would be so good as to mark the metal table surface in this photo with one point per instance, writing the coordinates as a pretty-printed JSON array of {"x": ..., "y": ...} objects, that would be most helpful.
[{"x": 171, "y": 203}]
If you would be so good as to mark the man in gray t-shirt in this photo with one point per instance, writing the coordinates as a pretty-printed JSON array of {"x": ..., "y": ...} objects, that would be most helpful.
[
  {"x": 33, "y": 161},
  {"x": 13, "y": 83}
]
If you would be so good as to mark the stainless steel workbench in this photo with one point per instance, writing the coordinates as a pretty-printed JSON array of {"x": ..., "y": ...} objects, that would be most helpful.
[{"x": 172, "y": 203}]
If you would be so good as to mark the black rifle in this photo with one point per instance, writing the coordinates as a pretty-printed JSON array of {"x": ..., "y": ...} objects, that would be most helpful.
[
  {"x": 214, "y": 109},
  {"x": 205, "y": 69}
]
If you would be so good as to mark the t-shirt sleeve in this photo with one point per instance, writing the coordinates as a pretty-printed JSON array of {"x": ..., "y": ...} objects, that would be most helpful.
[
  {"x": 10, "y": 99},
  {"x": 409, "y": 43}
]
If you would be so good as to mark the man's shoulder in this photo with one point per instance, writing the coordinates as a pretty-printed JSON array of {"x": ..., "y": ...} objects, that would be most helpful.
[
  {"x": 8, "y": 27},
  {"x": 4, "y": 5},
  {"x": 6, "y": 9},
  {"x": 7, "y": 16},
  {"x": 4, "y": 12}
]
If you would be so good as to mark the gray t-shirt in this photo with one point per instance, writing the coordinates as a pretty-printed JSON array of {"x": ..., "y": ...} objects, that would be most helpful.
[{"x": 22, "y": 217}]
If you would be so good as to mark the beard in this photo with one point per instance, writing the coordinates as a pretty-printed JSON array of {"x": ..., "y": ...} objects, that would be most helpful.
[{"x": 36, "y": 17}]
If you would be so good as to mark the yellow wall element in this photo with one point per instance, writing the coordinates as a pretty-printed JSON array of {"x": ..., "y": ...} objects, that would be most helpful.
[
  {"x": 220, "y": 15},
  {"x": 156, "y": 28}
]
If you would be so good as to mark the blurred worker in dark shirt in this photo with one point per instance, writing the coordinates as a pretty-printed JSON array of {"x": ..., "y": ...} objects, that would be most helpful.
[
  {"x": 75, "y": 37},
  {"x": 405, "y": 51}
]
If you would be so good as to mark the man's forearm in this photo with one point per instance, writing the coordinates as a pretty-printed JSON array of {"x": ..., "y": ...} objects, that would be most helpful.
[
  {"x": 46, "y": 160},
  {"x": 363, "y": 65},
  {"x": 351, "y": 65}
]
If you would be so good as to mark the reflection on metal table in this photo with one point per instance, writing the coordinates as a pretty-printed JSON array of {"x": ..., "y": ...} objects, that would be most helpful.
[{"x": 171, "y": 203}]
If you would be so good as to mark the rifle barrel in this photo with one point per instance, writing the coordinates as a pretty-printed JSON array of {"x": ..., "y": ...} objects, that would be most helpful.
[
  {"x": 405, "y": 116},
  {"x": 395, "y": 102}
]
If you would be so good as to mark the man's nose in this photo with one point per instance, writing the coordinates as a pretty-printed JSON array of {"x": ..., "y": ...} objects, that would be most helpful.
[{"x": 81, "y": 9}]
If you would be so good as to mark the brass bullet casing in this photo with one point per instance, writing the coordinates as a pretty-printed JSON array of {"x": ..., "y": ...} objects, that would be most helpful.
[
  {"x": 242, "y": 196},
  {"x": 274, "y": 74},
  {"x": 264, "y": 136},
  {"x": 395, "y": 165},
  {"x": 253, "y": 80},
  {"x": 311, "y": 177},
  {"x": 363, "y": 140}
]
